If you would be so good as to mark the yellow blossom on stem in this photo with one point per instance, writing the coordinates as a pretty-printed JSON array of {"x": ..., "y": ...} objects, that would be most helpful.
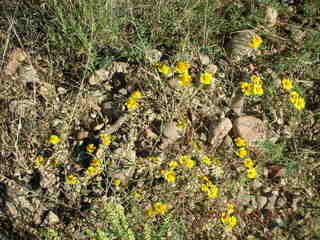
[
  {"x": 256, "y": 79},
  {"x": 160, "y": 208},
  {"x": 90, "y": 148},
  {"x": 71, "y": 179},
  {"x": 150, "y": 212},
  {"x": 242, "y": 152},
  {"x": 206, "y": 78},
  {"x": 255, "y": 42},
  {"x": 105, "y": 138},
  {"x": 172, "y": 165},
  {"x": 131, "y": 103},
  {"x": 137, "y": 195},
  {"x": 240, "y": 142},
  {"x": 189, "y": 163},
  {"x": 246, "y": 88},
  {"x": 117, "y": 182},
  {"x": 154, "y": 159},
  {"x": 300, "y": 103},
  {"x": 184, "y": 79},
  {"x": 169, "y": 175},
  {"x": 38, "y": 161},
  {"x": 164, "y": 69},
  {"x": 224, "y": 218},
  {"x": 206, "y": 160},
  {"x": 248, "y": 163},
  {"x": 183, "y": 159},
  {"x": 230, "y": 208},
  {"x": 136, "y": 95},
  {"x": 182, "y": 123},
  {"x": 232, "y": 222},
  {"x": 92, "y": 171},
  {"x": 54, "y": 139},
  {"x": 294, "y": 97},
  {"x": 286, "y": 84},
  {"x": 213, "y": 192},
  {"x": 257, "y": 89},
  {"x": 95, "y": 163},
  {"x": 251, "y": 173},
  {"x": 182, "y": 67}
]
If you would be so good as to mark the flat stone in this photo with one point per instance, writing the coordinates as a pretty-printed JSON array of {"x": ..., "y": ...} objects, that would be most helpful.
[
  {"x": 250, "y": 128},
  {"x": 219, "y": 132},
  {"x": 204, "y": 59},
  {"x": 271, "y": 16},
  {"x": 152, "y": 56}
]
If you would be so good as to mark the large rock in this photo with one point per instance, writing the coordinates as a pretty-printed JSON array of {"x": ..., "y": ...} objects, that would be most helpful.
[
  {"x": 219, "y": 132},
  {"x": 250, "y": 128}
]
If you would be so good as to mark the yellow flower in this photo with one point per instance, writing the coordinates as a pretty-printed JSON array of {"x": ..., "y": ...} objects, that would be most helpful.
[
  {"x": 251, "y": 173},
  {"x": 230, "y": 208},
  {"x": 216, "y": 162},
  {"x": 182, "y": 67},
  {"x": 182, "y": 123},
  {"x": 160, "y": 208},
  {"x": 256, "y": 79},
  {"x": 240, "y": 142},
  {"x": 95, "y": 163},
  {"x": 131, "y": 103},
  {"x": 154, "y": 159},
  {"x": 185, "y": 79},
  {"x": 257, "y": 89},
  {"x": 206, "y": 78},
  {"x": 92, "y": 171},
  {"x": 224, "y": 218},
  {"x": 294, "y": 97},
  {"x": 204, "y": 187},
  {"x": 117, "y": 182},
  {"x": 150, "y": 212},
  {"x": 169, "y": 176},
  {"x": 183, "y": 159},
  {"x": 255, "y": 42},
  {"x": 242, "y": 152},
  {"x": 205, "y": 178},
  {"x": 54, "y": 139},
  {"x": 286, "y": 84},
  {"x": 105, "y": 138},
  {"x": 248, "y": 163},
  {"x": 246, "y": 88},
  {"x": 213, "y": 192},
  {"x": 232, "y": 222},
  {"x": 136, "y": 95},
  {"x": 173, "y": 165},
  {"x": 206, "y": 160},
  {"x": 38, "y": 161},
  {"x": 164, "y": 69},
  {"x": 137, "y": 195},
  {"x": 71, "y": 179},
  {"x": 90, "y": 148},
  {"x": 190, "y": 163},
  {"x": 300, "y": 103}
]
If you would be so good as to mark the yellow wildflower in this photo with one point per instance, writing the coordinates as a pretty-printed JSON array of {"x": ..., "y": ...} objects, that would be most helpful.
[
  {"x": 92, "y": 171},
  {"x": 95, "y": 163},
  {"x": 255, "y": 42},
  {"x": 206, "y": 160},
  {"x": 256, "y": 79},
  {"x": 251, "y": 173},
  {"x": 240, "y": 142},
  {"x": 183, "y": 159},
  {"x": 169, "y": 176},
  {"x": 248, "y": 163},
  {"x": 182, "y": 67},
  {"x": 213, "y": 192},
  {"x": 71, "y": 179},
  {"x": 164, "y": 69},
  {"x": 137, "y": 195},
  {"x": 224, "y": 218},
  {"x": 246, "y": 88},
  {"x": 205, "y": 178},
  {"x": 90, "y": 148},
  {"x": 182, "y": 123},
  {"x": 257, "y": 89},
  {"x": 39, "y": 161},
  {"x": 117, "y": 182},
  {"x": 160, "y": 208},
  {"x": 242, "y": 152},
  {"x": 54, "y": 139},
  {"x": 300, "y": 103},
  {"x": 185, "y": 79},
  {"x": 150, "y": 212},
  {"x": 294, "y": 97},
  {"x": 154, "y": 159},
  {"x": 232, "y": 222},
  {"x": 189, "y": 163},
  {"x": 136, "y": 95},
  {"x": 131, "y": 103},
  {"x": 230, "y": 208},
  {"x": 105, "y": 138},
  {"x": 204, "y": 187},
  {"x": 172, "y": 165},
  {"x": 206, "y": 78},
  {"x": 286, "y": 84}
]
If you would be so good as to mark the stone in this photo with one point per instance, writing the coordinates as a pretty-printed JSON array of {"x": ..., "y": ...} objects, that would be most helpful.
[
  {"x": 28, "y": 74},
  {"x": 262, "y": 201},
  {"x": 52, "y": 218},
  {"x": 250, "y": 128},
  {"x": 219, "y": 132},
  {"x": 16, "y": 58},
  {"x": 212, "y": 68},
  {"x": 237, "y": 104},
  {"x": 204, "y": 59},
  {"x": 171, "y": 131},
  {"x": 152, "y": 56},
  {"x": 271, "y": 16},
  {"x": 99, "y": 76}
]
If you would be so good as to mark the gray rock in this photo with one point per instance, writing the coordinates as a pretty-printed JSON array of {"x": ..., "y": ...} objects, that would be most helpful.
[{"x": 219, "y": 132}]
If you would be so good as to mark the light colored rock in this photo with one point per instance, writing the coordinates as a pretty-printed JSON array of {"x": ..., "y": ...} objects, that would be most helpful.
[
  {"x": 237, "y": 104},
  {"x": 271, "y": 16},
  {"x": 52, "y": 218},
  {"x": 212, "y": 68},
  {"x": 218, "y": 132},
  {"x": 99, "y": 76},
  {"x": 173, "y": 83},
  {"x": 152, "y": 56},
  {"x": 16, "y": 58},
  {"x": 250, "y": 128},
  {"x": 204, "y": 59},
  {"x": 28, "y": 74},
  {"x": 171, "y": 131},
  {"x": 262, "y": 201}
]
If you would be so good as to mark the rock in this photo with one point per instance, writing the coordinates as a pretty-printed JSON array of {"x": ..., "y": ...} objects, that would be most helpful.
[
  {"x": 51, "y": 218},
  {"x": 173, "y": 83},
  {"x": 237, "y": 104},
  {"x": 212, "y": 68},
  {"x": 262, "y": 201},
  {"x": 204, "y": 59},
  {"x": 171, "y": 131},
  {"x": 250, "y": 128},
  {"x": 28, "y": 74},
  {"x": 82, "y": 135},
  {"x": 271, "y": 16},
  {"x": 99, "y": 76},
  {"x": 16, "y": 58},
  {"x": 218, "y": 133},
  {"x": 152, "y": 56}
]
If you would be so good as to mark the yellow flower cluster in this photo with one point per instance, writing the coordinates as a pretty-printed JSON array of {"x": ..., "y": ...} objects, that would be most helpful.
[
  {"x": 206, "y": 78},
  {"x": 242, "y": 153},
  {"x": 186, "y": 161},
  {"x": 39, "y": 161},
  {"x": 211, "y": 160},
  {"x": 94, "y": 168},
  {"x": 164, "y": 69},
  {"x": 169, "y": 175},
  {"x": 227, "y": 217},
  {"x": 90, "y": 148},
  {"x": 132, "y": 101},
  {"x": 295, "y": 98},
  {"x": 182, "y": 123},
  {"x": 105, "y": 139},
  {"x": 209, "y": 188},
  {"x": 158, "y": 208},
  {"x": 54, "y": 139},
  {"x": 254, "y": 87},
  {"x": 71, "y": 179},
  {"x": 255, "y": 42}
]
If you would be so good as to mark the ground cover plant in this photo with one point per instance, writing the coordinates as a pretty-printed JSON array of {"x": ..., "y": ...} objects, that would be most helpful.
[{"x": 131, "y": 119}]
